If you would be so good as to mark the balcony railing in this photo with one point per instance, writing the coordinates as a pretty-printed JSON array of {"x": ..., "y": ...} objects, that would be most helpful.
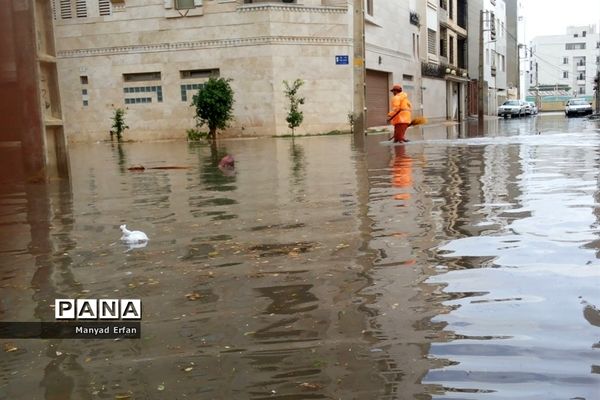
[{"x": 442, "y": 70}]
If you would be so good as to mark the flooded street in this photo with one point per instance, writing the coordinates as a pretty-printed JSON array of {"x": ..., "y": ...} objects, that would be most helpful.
[{"x": 459, "y": 266}]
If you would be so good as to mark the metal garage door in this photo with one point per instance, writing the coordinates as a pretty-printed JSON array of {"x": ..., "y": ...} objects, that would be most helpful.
[{"x": 377, "y": 98}]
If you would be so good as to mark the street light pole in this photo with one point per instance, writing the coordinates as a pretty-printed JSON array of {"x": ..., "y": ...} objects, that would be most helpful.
[{"x": 359, "y": 68}]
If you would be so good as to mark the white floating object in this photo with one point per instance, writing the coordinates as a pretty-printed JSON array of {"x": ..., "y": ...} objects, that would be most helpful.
[{"x": 133, "y": 236}]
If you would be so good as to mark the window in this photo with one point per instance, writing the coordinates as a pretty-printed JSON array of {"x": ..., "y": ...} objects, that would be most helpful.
[
  {"x": 503, "y": 62},
  {"x": 565, "y": 74},
  {"x": 565, "y": 60},
  {"x": 451, "y": 9},
  {"x": 407, "y": 77},
  {"x": 142, "y": 76},
  {"x": 431, "y": 42},
  {"x": 584, "y": 33},
  {"x": 369, "y": 7},
  {"x": 451, "y": 51},
  {"x": 198, "y": 73},
  {"x": 443, "y": 42},
  {"x": 581, "y": 89},
  {"x": 444, "y": 4},
  {"x": 575, "y": 46},
  {"x": 65, "y": 9},
  {"x": 184, "y": 4},
  {"x": 83, "y": 79},
  {"x": 80, "y": 9},
  {"x": 104, "y": 7},
  {"x": 140, "y": 94}
]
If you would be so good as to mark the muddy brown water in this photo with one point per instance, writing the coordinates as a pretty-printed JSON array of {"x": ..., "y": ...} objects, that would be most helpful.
[{"x": 459, "y": 267}]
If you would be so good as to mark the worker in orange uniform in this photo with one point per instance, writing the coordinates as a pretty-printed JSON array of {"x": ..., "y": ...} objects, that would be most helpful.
[{"x": 400, "y": 114}]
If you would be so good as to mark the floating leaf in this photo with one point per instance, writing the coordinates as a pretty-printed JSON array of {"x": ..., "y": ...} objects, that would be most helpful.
[{"x": 160, "y": 387}]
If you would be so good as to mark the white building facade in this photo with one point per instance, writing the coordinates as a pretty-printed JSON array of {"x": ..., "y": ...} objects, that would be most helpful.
[{"x": 566, "y": 61}]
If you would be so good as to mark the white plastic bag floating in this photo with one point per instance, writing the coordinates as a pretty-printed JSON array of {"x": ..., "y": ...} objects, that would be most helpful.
[{"x": 133, "y": 236}]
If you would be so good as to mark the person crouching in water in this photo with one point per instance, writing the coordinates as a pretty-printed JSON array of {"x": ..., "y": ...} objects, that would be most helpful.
[{"x": 400, "y": 114}]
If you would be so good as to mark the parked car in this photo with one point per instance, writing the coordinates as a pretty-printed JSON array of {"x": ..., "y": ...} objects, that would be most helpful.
[
  {"x": 578, "y": 107},
  {"x": 512, "y": 108},
  {"x": 533, "y": 110}
]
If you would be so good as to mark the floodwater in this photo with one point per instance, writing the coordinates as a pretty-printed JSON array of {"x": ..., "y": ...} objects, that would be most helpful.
[{"x": 460, "y": 266}]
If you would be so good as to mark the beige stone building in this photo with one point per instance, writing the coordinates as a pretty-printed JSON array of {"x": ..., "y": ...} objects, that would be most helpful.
[{"x": 150, "y": 56}]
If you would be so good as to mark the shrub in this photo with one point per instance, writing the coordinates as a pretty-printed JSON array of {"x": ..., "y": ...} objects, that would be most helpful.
[
  {"x": 214, "y": 105},
  {"x": 119, "y": 125},
  {"x": 295, "y": 116}
]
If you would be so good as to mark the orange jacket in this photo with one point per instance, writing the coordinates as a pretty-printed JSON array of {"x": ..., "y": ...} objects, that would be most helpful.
[{"x": 400, "y": 102}]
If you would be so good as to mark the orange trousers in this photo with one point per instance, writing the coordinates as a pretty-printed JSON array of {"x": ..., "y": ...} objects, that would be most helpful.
[{"x": 400, "y": 131}]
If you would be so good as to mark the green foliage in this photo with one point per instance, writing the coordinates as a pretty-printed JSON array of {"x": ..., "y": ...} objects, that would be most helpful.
[
  {"x": 351, "y": 120},
  {"x": 295, "y": 116},
  {"x": 119, "y": 125},
  {"x": 214, "y": 105},
  {"x": 194, "y": 135}
]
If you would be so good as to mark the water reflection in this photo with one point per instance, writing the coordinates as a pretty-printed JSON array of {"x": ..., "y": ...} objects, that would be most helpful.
[
  {"x": 244, "y": 294},
  {"x": 463, "y": 266}
]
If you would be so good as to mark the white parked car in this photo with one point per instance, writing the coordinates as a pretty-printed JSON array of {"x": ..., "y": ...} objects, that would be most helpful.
[
  {"x": 533, "y": 110},
  {"x": 578, "y": 107},
  {"x": 514, "y": 108}
]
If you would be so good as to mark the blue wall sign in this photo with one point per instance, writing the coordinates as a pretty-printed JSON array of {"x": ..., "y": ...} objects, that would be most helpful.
[{"x": 341, "y": 60}]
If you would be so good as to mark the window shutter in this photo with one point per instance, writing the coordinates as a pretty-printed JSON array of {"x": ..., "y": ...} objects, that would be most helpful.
[
  {"x": 81, "y": 8},
  {"x": 65, "y": 9},
  {"x": 104, "y": 7}
]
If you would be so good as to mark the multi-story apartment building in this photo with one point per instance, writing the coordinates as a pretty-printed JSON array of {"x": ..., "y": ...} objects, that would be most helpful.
[
  {"x": 444, "y": 58},
  {"x": 566, "y": 61},
  {"x": 420, "y": 44},
  {"x": 151, "y": 57},
  {"x": 495, "y": 36}
]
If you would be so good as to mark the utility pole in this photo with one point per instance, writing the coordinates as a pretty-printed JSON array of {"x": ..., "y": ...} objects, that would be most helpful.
[
  {"x": 598, "y": 91},
  {"x": 359, "y": 68},
  {"x": 480, "y": 80}
]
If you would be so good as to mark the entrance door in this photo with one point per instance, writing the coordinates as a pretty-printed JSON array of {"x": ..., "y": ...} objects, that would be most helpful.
[{"x": 378, "y": 98}]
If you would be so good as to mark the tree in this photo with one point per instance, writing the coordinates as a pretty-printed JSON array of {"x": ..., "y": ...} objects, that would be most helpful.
[
  {"x": 119, "y": 125},
  {"x": 214, "y": 105},
  {"x": 295, "y": 116}
]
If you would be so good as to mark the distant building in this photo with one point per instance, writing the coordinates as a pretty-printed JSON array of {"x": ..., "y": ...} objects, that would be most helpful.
[{"x": 566, "y": 61}]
